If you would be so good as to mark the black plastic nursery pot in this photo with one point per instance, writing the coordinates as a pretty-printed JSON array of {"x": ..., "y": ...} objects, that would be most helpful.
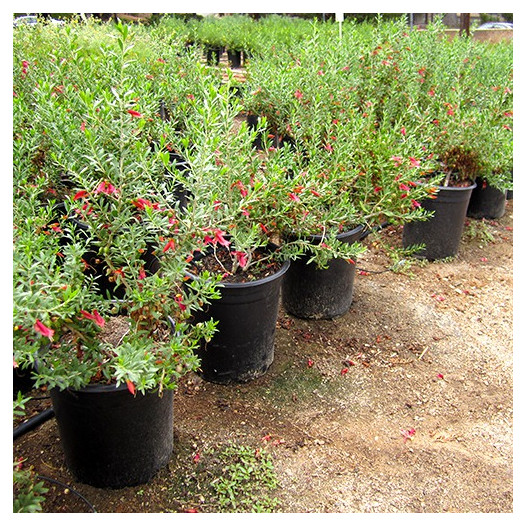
[
  {"x": 242, "y": 349},
  {"x": 309, "y": 292},
  {"x": 213, "y": 55},
  {"x": 111, "y": 438},
  {"x": 234, "y": 58},
  {"x": 487, "y": 202},
  {"x": 441, "y": 233}
]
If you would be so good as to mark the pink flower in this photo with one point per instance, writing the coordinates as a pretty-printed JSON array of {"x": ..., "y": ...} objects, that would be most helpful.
[
  {"x": 95, "y": 317},
  {"x": 402, "y": 131},
  {"x": 241, "y": 258},
  {"x": 415, "y": 204},
  {"x": 298, "y": 94},
  {"x": 218, "y": 238},
  {"x": 241, "y": 186},
  {"x": 294, "y": 197},
  {"x": 408, "y": 434},
  {"x": 43, "y": 330},
  {"x": 106, "y": 188},
  {"x": 414, "y": 162}
]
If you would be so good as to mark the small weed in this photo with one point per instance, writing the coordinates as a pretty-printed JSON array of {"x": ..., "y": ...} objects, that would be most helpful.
[
  {"x": 478, "y": 231},
  {"x": 247, "y": 475},
  {"x": 231, "y": 478}
]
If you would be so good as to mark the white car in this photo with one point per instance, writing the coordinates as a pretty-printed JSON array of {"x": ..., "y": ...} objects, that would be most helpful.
[
  {"x": 32, "y": 20},
  {"x": 496, "y": 25}
]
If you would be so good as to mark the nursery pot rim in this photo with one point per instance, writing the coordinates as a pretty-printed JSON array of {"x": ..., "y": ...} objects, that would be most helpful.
[
  {"x": 346, "y": 233},
  {"x": 105, "y": 388},
  {"x": 247, "y": 284},
  {"x": 453, "y": 188},
  {"x": 318, "y": 238}
]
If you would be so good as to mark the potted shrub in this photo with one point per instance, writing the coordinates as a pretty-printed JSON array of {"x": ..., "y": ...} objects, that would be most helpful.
[
  {"x": 229, "y": 211},
  {"x": 111, "y": 363},
  {"x": 364, "y": 169},
  {"x": 495, "y": 102},
  {"x": 209, "y": 34}
]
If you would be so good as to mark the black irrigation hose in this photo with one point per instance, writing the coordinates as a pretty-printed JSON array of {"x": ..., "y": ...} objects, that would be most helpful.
[
  {"x": 74, "y": 491},
  {"x": 33, "y": 422}
]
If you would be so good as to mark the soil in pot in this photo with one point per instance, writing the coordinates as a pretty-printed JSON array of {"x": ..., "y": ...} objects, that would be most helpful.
[
  {"x": 243, "y": 347},
  {"x": 309, "y": 292}
]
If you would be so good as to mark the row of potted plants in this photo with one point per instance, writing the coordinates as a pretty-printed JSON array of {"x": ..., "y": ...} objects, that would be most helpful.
[
  {"x": 145, "y": 219},
  {"x": 451, "y": 98}
]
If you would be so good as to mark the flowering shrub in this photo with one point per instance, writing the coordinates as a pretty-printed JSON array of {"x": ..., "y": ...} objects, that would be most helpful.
[
  {"x": 375, "y": 121},
  {"x": 119, "y": 211}
]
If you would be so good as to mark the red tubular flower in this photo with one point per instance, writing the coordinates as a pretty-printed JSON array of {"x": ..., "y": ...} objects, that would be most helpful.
[
  {"x": 241, "y": 186},
  {"x": 218, "y": 238},
  {"x": 131, "y": 387},
  {"x": 414, "y": 162},
  {"x": 141, "y": 204},
  {"x": 169, "y": 246},
  {"x": 294, "y": 197},
  {"x": 134, "y": 113},
  {"x": 179, "y": 300},
  {"x": 241, "y": 258},
  {"x": 43, "y": 330},
  {"x": 80, "y": 194}
]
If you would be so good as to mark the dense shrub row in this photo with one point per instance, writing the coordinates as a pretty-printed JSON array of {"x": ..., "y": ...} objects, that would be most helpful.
[{"x": 127, "y": 147}]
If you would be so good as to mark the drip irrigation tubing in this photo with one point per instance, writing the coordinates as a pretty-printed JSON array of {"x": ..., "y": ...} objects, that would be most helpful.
[
  {"x": 72, "y": 490},
  {"x": 33, "y": 422}
]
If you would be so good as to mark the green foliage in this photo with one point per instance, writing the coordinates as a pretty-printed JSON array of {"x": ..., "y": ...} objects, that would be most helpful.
[
  {"x": 28, "y": 493},
  {"x": 356, "y": 130},
  {"x": 83, "y": 136},
  {"x": 247, "y": 477}
]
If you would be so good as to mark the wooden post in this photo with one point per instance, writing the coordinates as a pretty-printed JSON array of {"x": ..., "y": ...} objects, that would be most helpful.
[{"x": 464, "y": 24}]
